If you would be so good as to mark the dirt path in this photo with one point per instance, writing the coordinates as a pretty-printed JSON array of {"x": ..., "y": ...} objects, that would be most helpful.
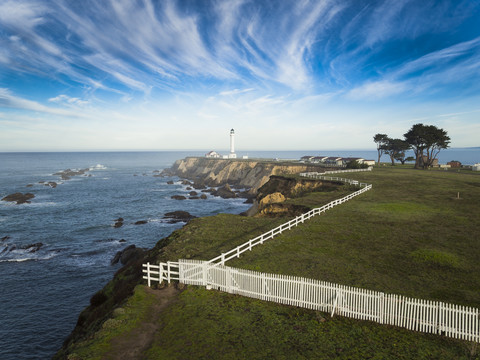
[{"x": 131, "y": 345}]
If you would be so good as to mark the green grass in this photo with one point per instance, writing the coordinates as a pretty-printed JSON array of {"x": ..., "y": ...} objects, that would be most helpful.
[
  {"x": 436, "y": 257},
  {"x": 409, "y": 235},
  {"x": 212, "y": 325},
  {"x": 123, "y": 320}
]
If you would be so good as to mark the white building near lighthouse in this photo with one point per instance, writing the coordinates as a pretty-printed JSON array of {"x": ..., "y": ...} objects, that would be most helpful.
[{"x": 231, "y": 155}]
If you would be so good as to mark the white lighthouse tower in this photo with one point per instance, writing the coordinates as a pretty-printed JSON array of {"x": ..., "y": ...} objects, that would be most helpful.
[{"x": 232, "y": 154}]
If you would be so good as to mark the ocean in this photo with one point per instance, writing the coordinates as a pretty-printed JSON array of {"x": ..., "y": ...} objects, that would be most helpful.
[{"x": 55, "y": 252}]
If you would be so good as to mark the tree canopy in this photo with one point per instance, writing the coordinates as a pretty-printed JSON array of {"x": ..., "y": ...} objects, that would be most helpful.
[
  {"x": 426, "y": 142},
  {"x": 395, "y": 147}
]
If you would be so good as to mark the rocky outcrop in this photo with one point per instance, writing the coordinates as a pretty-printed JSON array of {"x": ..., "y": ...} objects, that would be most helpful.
[
  {"x": 250, "y": 174},
  {"x": 130, "y": 253},
  {"x": 276, "y": 197},
  {"x": 178, "y": 216},
  {"x": 225, "y": 192},
  {"x": 279, "y": 209},
  {"x": 19, "y": 198},
  {"x": 68, "y": 173},
  {"x": 178, "y": 197},
  {"x": 294, "y": 187},
  {"x": 118, "y": 223},
  {"x": 271, "y": 197}
]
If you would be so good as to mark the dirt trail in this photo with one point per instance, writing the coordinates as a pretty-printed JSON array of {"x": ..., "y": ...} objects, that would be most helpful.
[{"x": 131, "y": 345}]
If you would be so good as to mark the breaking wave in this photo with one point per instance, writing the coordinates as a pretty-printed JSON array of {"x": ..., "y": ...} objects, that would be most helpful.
[{"x": 98, "y": 167}]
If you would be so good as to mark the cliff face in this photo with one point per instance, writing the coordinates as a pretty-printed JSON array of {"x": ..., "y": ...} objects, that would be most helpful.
[{"x": 250, "y": 174}]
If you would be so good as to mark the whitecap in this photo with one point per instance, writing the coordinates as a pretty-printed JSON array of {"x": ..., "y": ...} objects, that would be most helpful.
[
  {"x": 17, "y": 260},
  {"x": 43, "y": 204},
  {"x": 34, "y": 258},
  {"x": 98, "y": 167}
]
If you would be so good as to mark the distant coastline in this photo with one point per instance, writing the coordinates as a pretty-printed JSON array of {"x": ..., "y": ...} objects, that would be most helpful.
[{"x": 466, "y": 155}]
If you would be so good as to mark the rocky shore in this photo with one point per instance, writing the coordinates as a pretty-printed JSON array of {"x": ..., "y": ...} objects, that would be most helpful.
[{"x": 239, "y": 174}]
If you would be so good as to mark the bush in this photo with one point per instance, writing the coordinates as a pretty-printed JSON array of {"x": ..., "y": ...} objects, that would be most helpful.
[{"x": 354, "y": 164}]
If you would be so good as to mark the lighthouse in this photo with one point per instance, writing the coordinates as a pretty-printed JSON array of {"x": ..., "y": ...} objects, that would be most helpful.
[{"x": 232, "y": 154}]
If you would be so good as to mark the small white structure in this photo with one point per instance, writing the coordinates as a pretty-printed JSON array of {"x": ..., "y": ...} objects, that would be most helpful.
[
  {"x": 476, "y": 167},
  {"x": 232, "y": 154},
  {"x": 212, "y": 154},
  {"x": 369, "y": 162}
]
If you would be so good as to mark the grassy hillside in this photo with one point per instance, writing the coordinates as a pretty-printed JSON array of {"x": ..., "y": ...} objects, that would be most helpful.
[{"x": 409, "y": 235}]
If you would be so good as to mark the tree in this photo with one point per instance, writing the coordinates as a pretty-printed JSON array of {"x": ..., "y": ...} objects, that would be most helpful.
[
  {"x": 401, "y": 157},
  {"x": 381, "y": 140},
  {"x": 426, "y": 142},
  {"x": 394, "y": 147},
  {"x": 354, "y": 164}
]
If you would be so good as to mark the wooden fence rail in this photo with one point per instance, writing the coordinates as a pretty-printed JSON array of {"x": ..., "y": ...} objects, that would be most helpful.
[{"x": 460, "y": 322}]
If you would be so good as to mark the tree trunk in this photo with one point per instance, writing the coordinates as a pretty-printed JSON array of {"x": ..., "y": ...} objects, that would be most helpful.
[
  {"x": 392, "y": 159},
  {"x": 417, "y": 159}
]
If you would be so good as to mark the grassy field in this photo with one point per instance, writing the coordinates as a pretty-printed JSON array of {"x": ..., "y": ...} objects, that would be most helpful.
[{"x": 409, "y": 235}]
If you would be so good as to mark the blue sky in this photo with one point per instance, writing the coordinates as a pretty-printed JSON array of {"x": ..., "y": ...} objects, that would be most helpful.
[{"x": 287, "y": 75}]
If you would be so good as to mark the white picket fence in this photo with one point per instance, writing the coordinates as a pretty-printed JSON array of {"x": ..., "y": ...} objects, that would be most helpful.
[
  {"x": 460, "y": 322},
  {"x": 435, "y": 317}
]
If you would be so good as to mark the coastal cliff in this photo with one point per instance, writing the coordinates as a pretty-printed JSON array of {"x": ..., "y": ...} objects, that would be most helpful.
[{"x": 250, "y": 174}]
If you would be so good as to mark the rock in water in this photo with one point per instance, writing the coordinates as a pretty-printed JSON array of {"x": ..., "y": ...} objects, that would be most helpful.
[
  {"x": 127, "y": 255},
  {"x": 118, "y": 223},
  {"x": 141, "y": 222},
  {"x": 178, "y": 216},
  {"x": 19, "y": 198},
  {"x": 225, "y": 192},
  {"x": 69, "y": 173},
  {"x": 178, "y": 197},
  {"x": 33, "y": 247}
]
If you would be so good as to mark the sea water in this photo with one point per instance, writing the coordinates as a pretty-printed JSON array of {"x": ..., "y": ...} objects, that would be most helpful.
[{"x": 42, "y": 292}]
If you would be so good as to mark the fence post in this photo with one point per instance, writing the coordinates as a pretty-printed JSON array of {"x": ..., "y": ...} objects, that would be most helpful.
[
  {"x": 168, "y": 271},
  {"x": 160, "y": 272},
  {"x": 180, "y": 272},
  {"x": 381, "y": 309},
  {"x": 228, "y": 280},
  {"x": 148, "y": 274},
  {"x": 205, "y": 275},
  {"x": 338, "y": 294}
]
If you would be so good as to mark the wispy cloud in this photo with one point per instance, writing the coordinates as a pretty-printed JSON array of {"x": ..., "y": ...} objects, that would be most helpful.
[
  {"x": 243, "y": 61},
  {"x": 68, "y": 100},
  {"x": 8, "y": 100},
  {"x": 376, "y": 90},
  {"x": 235, "y": 92}
]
